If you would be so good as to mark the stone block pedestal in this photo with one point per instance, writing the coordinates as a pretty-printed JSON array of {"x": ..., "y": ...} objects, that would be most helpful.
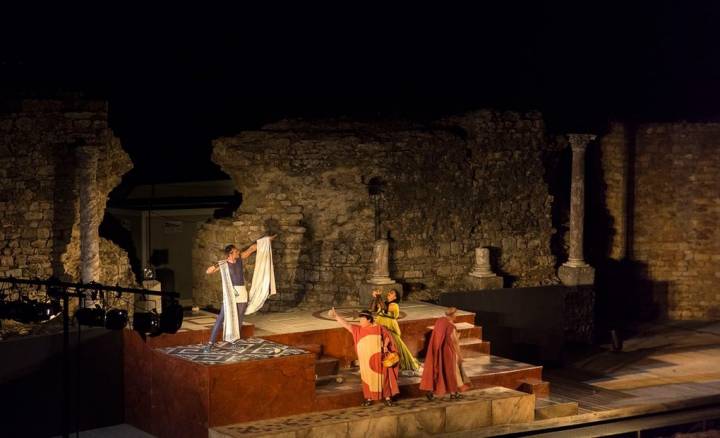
[
  {"x": 481, "y": 276},
  {"x": 489, "y": 282},
  {"x": 576, "y": 275}
]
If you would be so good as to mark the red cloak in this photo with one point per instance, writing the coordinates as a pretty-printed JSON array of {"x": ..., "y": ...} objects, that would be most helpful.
[{"x": 441, "y": 361}]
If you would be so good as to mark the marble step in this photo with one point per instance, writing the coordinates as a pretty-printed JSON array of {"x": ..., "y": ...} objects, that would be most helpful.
[
  {"x": 345, "y": 390},
  {"x": 465, "y": 329},
  {"x": 472, "y": 346},
  {"x": 414, "y": 417},
  {"x": 547, "y": 408},
  {"x": 326, "y": 366},
  {"x": 540, "y": 388}
]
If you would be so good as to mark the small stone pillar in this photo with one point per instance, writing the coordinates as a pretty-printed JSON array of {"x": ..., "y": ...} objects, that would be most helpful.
[
  {"x": 576, "y": 271},
  {"x": 379, "y": 278},
  {"x": 380, "y": 269},
  {"x": 481, "y": 276}
]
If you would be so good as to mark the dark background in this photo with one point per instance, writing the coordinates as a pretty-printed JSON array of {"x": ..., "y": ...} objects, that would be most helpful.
[{"x": 176, "y": 79}]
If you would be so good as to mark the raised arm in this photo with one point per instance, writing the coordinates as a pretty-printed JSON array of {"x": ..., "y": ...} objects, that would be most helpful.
[
  {"x": 248, "y": 252},
  {"x": 341, "y": 320},
  {"x": 212, "y": 269},
  {"x": 252, "y": 248},
  {"x": 378, "y": 305}
]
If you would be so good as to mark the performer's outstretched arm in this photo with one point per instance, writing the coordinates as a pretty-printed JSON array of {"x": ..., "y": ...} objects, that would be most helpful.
[
  {"x": 252, "y": 248},
  {"x": 212, "y": 269},
  {"x": 341, "y": 320}
]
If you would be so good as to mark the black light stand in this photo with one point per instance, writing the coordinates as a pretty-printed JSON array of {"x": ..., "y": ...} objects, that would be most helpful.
[{"x": 66, "y": 295}]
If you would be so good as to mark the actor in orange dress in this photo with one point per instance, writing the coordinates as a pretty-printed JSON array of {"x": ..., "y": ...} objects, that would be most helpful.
[
  {"x": 443, "y": 373},
  {"x": 371, "y": 340}
]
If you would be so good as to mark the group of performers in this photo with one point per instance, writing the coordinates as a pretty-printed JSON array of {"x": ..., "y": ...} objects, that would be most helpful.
[
  {"x": 378, "y": 337},
  {"x": 381, "y": 352}
]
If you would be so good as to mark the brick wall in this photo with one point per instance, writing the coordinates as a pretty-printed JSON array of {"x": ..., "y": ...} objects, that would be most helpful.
[{"x": 674, "y": 212}]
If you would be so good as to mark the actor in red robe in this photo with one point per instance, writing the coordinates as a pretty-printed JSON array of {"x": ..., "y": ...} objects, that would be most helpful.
[
  {"x": 371, "y": 340},
  {"x": 443, "y": 363}
]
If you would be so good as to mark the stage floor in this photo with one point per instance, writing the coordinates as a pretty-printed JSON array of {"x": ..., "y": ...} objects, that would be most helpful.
[{"x": 296, "y": 321}]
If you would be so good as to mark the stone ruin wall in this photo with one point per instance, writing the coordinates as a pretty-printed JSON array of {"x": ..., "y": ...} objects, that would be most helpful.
[
  {"x": 675, "y": 209},
  {"x": 39, "y": 211},
  {"x": 451, "y": 186}
]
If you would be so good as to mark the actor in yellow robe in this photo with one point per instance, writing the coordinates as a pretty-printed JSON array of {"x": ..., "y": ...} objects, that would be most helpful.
[{"x": 387, "y": 314}]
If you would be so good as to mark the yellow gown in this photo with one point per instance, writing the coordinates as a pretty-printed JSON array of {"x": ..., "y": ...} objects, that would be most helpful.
[{"x": 389, "y": 319}]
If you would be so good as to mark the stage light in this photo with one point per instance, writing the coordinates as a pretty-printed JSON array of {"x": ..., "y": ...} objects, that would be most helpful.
[
  {"x": 171, "y": 318},
  {"x": 28, "y": 311},
  {"x": 54, "y": 291},
  {"x": 8, "y": 309},
  {"x": 48, "y": 310},
  {"x": 91, "y": 316},
  {"x": 116, "y": 319},
  {"x": 147, "y": 322}
]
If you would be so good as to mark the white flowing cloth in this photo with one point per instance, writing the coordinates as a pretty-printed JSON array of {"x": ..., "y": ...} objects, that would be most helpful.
[{"x": 263, "y": 285}]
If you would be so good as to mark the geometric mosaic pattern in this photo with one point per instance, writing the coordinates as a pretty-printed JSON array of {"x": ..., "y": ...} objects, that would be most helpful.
[{"x": 240, "y": 350}]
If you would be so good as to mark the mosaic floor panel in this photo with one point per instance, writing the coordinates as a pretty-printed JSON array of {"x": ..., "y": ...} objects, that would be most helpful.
[{"x": 232, "y": 352}]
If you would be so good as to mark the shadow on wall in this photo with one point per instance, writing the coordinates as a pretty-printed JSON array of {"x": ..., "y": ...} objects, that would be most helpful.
[
  {"x": 112, "y": 229},
  {"x": 495, "y": 257},
  {"x": 272, "y": 227},
  {"x": 558, "y": 162},
  {"x": 625, "y": 295},
  {"x": 63, "y": 206},
  {"x": 308, "y": 249}
]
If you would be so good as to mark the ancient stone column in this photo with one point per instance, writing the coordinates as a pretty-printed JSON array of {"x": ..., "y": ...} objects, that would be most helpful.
[
  {"x": 380, "y": 269},
  {"x": 481, "y": 276},
  {"x": 576, "y": 271},
  {"x": 379, "y": 278},
  {"x": 87, "y": 160}
]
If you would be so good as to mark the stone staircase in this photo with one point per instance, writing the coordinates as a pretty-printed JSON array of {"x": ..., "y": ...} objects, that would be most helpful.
[
  {"x": 471, "y": 342},
  {"x": 333, "y": 382},
  {"x": 471, "y": 345}
]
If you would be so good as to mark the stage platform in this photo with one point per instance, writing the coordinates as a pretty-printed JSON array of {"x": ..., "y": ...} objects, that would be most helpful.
[{"x": 287, "y": 363}]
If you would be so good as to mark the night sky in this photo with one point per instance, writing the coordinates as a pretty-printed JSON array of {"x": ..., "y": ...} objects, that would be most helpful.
[{"x": 175, "y": 80}]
